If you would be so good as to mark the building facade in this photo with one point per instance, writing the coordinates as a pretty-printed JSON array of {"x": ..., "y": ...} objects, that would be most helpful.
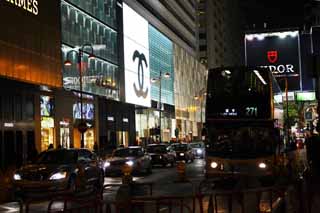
[
  {"x": 30, "y": 61},
  {"x": 221, "y": 33},
  {"x": 173, "y": 46}
]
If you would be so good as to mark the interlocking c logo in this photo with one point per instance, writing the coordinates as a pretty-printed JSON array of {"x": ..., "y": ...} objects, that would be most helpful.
[{"x": 141, "y": 58}]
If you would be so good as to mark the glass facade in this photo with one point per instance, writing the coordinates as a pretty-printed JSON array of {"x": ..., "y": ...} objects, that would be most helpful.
[
  {"x": 161, "y": 59},
  {"x": 93, "y": 23},
  {"x": 104, "y": 10}
]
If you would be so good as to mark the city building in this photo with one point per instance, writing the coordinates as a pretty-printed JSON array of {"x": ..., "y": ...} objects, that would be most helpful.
[
  {"x": 30, "y": 62},
  {"x": 96, "y": 29},
  {"x": 173, "y": 45},
  {"x": 221, "y": 32}
]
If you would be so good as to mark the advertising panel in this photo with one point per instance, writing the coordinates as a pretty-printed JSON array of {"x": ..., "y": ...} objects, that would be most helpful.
[
  {"x": 87, "y": 111},
  {"x": 46, "y": 105},
  {"x": 277, "y": 51},
  {"x": 136, "y": 58}
]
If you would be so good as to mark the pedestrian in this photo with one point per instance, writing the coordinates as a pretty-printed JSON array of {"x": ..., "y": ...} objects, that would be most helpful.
[
  {"x": 59, "y": 146},
  {"x": 95, "y": 147},
  {"x": 50, "y": 146}
]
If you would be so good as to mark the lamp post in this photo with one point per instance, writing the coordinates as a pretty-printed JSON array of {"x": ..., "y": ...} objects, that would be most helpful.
[
  {"x": 82, "y": 126},
  {"x": 200, "y": 96},
  {"x": 159, "y": 79},
  {"x": 287, "y": 109}
]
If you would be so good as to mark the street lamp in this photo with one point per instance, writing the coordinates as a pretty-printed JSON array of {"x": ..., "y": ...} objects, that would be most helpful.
[
  {"x": 159, "y": 79},
  {"x": 200, "y": 96},
  {"x": 82, "y": 126},
  {"x": 287, "y": 108}
]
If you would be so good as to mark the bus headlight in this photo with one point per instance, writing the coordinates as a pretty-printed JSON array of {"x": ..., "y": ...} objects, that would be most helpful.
[
  {"x": 199, "y": 151},
  {"x": 214, "y": 165},
  {"x": 262, "y": 165}
]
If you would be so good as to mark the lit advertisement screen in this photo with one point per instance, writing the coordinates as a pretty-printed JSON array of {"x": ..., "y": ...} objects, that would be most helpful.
[
  {"x": 46, "y": 105},
  {"x": 277, "y": 51},
  {"x": 136, "y": 58},
  {"x": 87, "y": 110}
]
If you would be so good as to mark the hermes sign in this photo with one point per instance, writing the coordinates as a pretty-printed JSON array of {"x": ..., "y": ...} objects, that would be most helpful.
[{"x": 28, "y": 5}]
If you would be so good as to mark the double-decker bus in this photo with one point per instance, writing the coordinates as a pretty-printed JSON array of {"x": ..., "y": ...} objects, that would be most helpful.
[{"x": 243, "y": 121}]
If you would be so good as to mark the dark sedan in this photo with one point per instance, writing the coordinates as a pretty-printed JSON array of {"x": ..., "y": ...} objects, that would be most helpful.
[
  {"x": 183, "y": 152},
  {"x": 161, "y": 154},
  {"x": 132, "y": 156},
  {"x": 59, "y": 171}
]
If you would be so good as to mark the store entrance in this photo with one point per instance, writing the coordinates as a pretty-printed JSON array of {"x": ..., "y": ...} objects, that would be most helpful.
[
  {"x": 16, "y": 148},
  {"x": 123, "y": 138}
]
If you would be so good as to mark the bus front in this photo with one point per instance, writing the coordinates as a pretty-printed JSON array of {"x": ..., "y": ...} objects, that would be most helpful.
[{"x": 241, "y": 135}]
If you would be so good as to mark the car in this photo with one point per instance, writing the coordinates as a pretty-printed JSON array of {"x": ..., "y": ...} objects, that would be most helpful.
[
  {"x": 198, "y": 149},
  {"x": 133, "y": 156},
  {"x": 161, "y": 154},
  {"x": 59, "y": 171},
  {"x": 183, "y": 152}
]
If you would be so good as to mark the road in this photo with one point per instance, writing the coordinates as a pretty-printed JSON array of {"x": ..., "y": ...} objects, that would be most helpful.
[
  {"x": 165, "y": 184},
  {"x": 163, "y": 179}
]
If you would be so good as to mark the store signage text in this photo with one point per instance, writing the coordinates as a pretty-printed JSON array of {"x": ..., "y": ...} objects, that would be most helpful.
[
  {"x": 28, "y": 5},
  {"x": 280, "y": 69}
]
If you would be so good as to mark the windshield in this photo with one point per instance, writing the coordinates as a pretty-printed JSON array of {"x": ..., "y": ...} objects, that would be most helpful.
[
  {"x": 180, "y": 147},
  {"x": 157, "y": 149},
  {"x": 242, "y": 142},
  {"x": 197, "y": 145},
  {"x": 58, "y": 157},
  {"x": 127, "y": 152}
]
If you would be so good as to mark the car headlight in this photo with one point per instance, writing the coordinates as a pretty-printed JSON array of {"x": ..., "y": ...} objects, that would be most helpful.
[
  {"x": 214, "y": 165},
  {"x": 17, "y": 177},
  {"x": 58, "y": 176},
  {"x": 106, "y": 164},
  {"x": 199, "y": 151},
  {"x": 181, "y": 154},
  {"x": 130, "y": 163},
  {"x": 262, "y": 165}
]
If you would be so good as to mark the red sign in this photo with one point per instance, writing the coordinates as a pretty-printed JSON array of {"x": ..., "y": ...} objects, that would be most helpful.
[{"x": 272, "y": 56}]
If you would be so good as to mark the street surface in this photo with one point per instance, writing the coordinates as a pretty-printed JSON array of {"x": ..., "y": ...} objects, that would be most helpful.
[{"x": 164, "y": 184}]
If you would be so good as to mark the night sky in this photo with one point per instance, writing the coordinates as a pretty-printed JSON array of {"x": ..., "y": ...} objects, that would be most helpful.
[{"x": 276, "y": 13}]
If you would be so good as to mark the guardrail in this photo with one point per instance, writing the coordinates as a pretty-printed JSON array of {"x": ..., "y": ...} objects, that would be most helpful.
[{"x": 264, "y": 199}]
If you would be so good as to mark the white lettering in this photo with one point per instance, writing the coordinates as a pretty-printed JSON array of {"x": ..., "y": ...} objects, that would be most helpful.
[
  {"x": 35, "y": 7},
  {"x": 280, "y": 69},
  {"x": 28, "y": 5},
  {"x": 289, "y": 68}
]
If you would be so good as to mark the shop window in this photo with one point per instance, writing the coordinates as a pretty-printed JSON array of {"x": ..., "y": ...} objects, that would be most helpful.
[
  {"x": 8, "y": 107},
  {"x": 8, "y": 149},
  {"x": 18, "y": 107},
  {"x": 29, "y": 107}
]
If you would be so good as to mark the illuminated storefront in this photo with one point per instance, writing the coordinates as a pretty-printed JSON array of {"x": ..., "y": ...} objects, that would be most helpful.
[
  {"x": 25, "y": 65},
  {"x": 88, "y": 117},
  {"x": 47, "y": 122}
]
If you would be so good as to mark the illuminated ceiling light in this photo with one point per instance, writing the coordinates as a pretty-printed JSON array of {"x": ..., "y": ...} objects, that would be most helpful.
[
  {"x": 67, "y": 63},
  {"x": 166, "y": 75},
  {"x": 260, "y": 37},
  {"x": 259, "y": 76},
  {"x": 227, "y": 72},
  {"x": 249, "y": 37},
  {"x": 91, "y": 56},
  {"x": 282, "y": 35},
  {"x": 196, "y": 97},
  {"x": 153, "y": 80},
  {"x": 293, "y": 34}
]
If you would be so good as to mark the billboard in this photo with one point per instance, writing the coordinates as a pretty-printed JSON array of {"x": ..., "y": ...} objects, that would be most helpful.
[
  {"x": 136, "y": 58},
  {"x": 277, "y": 51}
]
